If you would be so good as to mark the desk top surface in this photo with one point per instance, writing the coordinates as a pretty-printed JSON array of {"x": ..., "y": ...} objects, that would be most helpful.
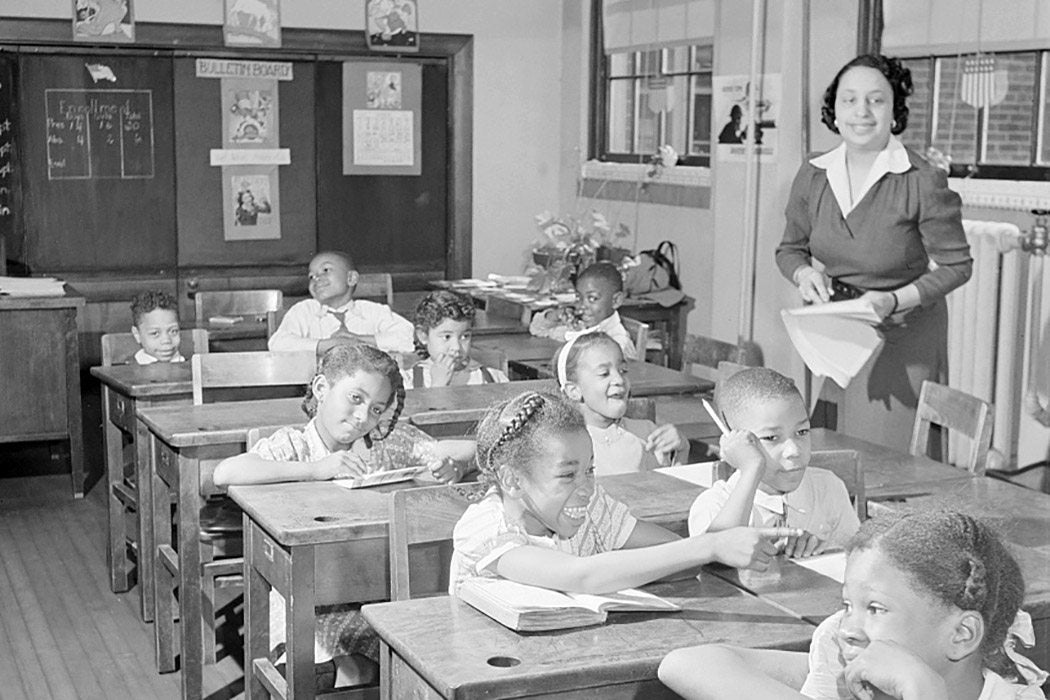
[
  {"x": 458, "y": 650},
  {"x": 71, "y": 299},
  {"x": 316, "y": 512},
  {"x": 157, "y": 379}
]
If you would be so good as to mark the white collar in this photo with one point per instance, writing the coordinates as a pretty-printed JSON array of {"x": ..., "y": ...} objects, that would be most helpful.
[
  {"x": 604, "y": 326},
  {"x": 144, "y": 358},
  {"x": 892, "y": 159},
  {"x": 772, "y": 502},
  {"x": 323, "y": 309}
]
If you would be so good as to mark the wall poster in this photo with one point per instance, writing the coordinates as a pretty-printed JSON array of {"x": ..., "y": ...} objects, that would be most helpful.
[
  {"x": 382, "y": 109},
  {"x": 252, "y": 23},
  {"x": 392, "y": 25},
  {"x": 729, "y": 111},
  {"x": 103, "y": 20}
]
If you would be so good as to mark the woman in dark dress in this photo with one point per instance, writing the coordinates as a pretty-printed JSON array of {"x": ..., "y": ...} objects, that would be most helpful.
[{"x": 885, "y": 226}]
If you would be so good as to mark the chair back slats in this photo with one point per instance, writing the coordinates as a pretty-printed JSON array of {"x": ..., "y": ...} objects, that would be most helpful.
[
  {"x": 236, "y": 302},
  {"x": 120, "y": 348},
  {"x": 490, "y": 357},
  {"x": 228, "y": 370},
  {"x": 955, "y": 411},
  {"x": 375, "y": 286},
  {"x": 435, "y": 511}
]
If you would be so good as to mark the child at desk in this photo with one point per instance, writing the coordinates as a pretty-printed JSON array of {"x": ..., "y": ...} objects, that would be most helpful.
[
  {"x": 354, "y": 387},
  {"x": 769, "y": 446},
  {"x": 546, "y": 523},
  {"x": 592, "y": 373},
  {"x": 443, "y": 337},
  {"x": 931, "y": 607},
  {"x": 155, "y": 327},
  {"x": 333, "y": 317},
  {"x": 599, "y": 293}
]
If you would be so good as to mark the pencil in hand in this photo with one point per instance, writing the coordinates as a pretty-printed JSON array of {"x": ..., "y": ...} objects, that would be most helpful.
[{"x": 714, "y": 416}]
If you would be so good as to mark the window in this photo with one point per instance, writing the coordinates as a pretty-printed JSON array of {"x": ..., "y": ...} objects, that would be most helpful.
[
  {"x": 1008, "y": 139},
  {"x": 656, "y": 97}
]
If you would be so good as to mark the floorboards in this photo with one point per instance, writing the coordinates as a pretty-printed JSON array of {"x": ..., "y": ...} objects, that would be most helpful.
[{"x": 63, "y": 634}]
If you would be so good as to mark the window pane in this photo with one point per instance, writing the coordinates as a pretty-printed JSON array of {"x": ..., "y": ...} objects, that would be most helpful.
[
  {"x": 620, "y": 64},
  {"x": 1044, "y": 133},
  {"x": 1009, "y": 124},
  {"x": 621, "y": 116},
  {"x": 650, "y": 62},
  {"x": 677, "y": 60},
  {"x": 700, "y": 141},
  {"x": 703, "y": 58},
  {"x": 676, "y": 123},
  {"x": 917, "y": 133},
  {"x": 648, "y": 132},
  {"x": 955, "y": 132}
]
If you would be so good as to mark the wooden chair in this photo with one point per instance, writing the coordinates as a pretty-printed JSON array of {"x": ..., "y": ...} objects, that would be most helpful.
[
  {"x": 845, "y": 464},
  {"x": 955, "y": 411},
  {"x": 639, "y": 332},
  {"x": 706, "y": 354},
  {"x": 253, "y": 303},
  {"x": 121, "y": 479},
  {"x": 490, "y": 357},
  {"x": 641, "y": 409},
  {"x": 375, "y": 286},
  {"x": 221, "y": 528},
  {"x": 435, "y": 511}
]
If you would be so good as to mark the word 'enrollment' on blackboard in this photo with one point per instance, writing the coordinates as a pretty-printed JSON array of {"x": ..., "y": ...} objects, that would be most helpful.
[{"x": 99, "y": 134}]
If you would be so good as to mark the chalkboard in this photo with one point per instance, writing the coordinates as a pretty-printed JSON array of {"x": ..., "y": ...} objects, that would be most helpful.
[
  {"x": 97, "y": 153},
  {"x": 99, "y": 134}
]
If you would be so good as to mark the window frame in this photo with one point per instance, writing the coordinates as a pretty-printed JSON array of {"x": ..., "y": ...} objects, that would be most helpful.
[
  {"x": 599, "y": 83},
  {"x": 977, "y": 170}
]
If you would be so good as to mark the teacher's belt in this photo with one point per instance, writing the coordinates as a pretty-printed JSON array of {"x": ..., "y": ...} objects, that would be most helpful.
[{"x": 842, "y": 291}]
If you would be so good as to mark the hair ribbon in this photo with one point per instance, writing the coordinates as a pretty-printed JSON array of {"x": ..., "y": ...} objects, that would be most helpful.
[
  {"x": 563, "y": 359},
  {"x": 1022, "y": 631}
]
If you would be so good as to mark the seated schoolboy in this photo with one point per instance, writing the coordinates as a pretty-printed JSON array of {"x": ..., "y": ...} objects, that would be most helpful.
[
  {"x": 444, "y": 320},
  {"x": 155, "y": 327},
  {"x": 599, "y": 292},
  {"x": 333, "y": 317},
  {"x": 769, "y": 446},
  {"x": 593, "y": 375}
]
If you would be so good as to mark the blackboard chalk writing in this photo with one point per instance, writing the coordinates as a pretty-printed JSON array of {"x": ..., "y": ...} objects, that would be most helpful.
[
  {"x": 5, "y": 126},
  {"x": 5, "y": 170},
  {"x": 99, "y": 134}
]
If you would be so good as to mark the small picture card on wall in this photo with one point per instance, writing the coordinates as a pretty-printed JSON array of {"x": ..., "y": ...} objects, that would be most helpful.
[
  {"x": 252, "y": 23},
  {"x": 249, "y": 113},
  {"x": 382, "y": 116},
  {"x": 251, "y": 198},
  {"x": 103, "y": 21},
  {"x": 392, "y": 25}
]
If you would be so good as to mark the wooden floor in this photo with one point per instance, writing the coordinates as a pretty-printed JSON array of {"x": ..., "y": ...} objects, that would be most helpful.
[{"x": 63, "y": 634}]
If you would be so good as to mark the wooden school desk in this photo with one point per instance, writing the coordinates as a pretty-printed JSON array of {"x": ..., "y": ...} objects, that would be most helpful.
[
  {"x": 40, "y": 374},
  {"x": 321, "y": 544},
  {"x": 443, "y": 648},
  {"x": 125, "y": 390}
]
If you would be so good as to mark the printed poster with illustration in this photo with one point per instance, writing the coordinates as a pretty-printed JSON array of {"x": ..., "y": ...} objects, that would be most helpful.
[
  {"x": 729, "y": 112},
  {"x": 103, "y": 20},
  {"x": 249, "y": 118},
  {"x": 251, "y": 210},
  {"x": 382, "y": 105},
  {"x": 252, "y": 23},
  {"x": 392, "y": 25}
]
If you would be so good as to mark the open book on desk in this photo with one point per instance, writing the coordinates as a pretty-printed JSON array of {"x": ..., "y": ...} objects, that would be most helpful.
[
  {"x": 527, "y": 608},
  {"x": 390, "y": 476},
  {"x": 834, "y": 339}
]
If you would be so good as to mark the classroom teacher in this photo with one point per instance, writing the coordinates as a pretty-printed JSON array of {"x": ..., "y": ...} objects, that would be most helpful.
[{"x": 885, "y": 226}]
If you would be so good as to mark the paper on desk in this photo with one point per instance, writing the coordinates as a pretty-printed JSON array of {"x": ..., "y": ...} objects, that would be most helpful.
[
  {"x": 832, "y": 565},
  {"x": 834, "y": 339},
  {"x": 31, "y": 286},
  {"x": 510, "y": 280},
  {"x": 376, "y": 478},
  {"x": 700, "y": 473},
  {"x": 224, "y": 320}
]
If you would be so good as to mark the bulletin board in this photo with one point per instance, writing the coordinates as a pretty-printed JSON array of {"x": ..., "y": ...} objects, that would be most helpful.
[{"x": 98, "y": 177}]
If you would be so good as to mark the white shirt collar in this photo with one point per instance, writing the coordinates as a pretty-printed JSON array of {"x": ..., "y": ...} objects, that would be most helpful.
[
  {"x": 772, "y": 502},
  {"x": 892, "y": 159},
  {"x": 144, "y": 358},
  {"x": 607, "y": 324},
  {"x": 323, "y": 309}
]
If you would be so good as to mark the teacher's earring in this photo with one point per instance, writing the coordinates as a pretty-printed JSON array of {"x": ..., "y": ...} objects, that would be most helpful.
[{"x": 893, "y": 125}]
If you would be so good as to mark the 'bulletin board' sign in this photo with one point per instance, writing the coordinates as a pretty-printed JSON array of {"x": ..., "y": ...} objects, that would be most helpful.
[{"x": 94, "y": 134}]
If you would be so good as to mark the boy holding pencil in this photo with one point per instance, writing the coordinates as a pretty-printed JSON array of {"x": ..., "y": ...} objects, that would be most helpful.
[{"x": 766, "y": 439}]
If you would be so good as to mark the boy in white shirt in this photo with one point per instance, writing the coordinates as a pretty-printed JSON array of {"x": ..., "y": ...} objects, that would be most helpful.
[
  {"x": 599, "y": 293},
  {"x": 155, "y": 327},
  {"x": 333, "y": 317},
  {"x": 769, "y": 446}
]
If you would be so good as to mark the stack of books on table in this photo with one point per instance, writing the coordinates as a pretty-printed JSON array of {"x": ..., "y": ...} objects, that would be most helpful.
[{"x": 31, "y": 286}]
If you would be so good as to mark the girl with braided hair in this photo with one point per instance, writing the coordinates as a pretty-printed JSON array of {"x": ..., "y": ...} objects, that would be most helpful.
[
  {"x": 546, "y": 523},
  {"x": 346, "y": 437},
  {"x": 931, "y": 611}
]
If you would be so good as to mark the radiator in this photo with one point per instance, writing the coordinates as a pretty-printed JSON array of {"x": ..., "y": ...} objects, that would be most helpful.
[{"x": 986, "y": 325}]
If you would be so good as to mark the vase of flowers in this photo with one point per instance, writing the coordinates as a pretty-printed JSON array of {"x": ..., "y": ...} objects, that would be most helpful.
[{"x": 570, "y": 243}]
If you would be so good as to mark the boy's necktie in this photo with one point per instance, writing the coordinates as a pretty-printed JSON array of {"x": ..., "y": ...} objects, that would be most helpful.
[{"x": 339, "y": 316}]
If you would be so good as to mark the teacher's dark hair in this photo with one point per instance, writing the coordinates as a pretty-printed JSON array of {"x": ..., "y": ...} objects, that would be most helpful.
[{"x": 896, "y": 75}]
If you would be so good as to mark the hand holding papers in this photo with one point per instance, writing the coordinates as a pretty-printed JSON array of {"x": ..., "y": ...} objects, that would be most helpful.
[{"x": 834, "y": 339}]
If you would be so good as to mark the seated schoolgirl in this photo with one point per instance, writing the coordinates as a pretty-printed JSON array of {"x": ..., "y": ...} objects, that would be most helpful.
[
  {"x": 353, "y": 389},
  {"x": 444, "y": 321},
  {"x": 931, "y": 611},
  {"x": 545, "y": 522},
  {"x": 592, "y": 373}
]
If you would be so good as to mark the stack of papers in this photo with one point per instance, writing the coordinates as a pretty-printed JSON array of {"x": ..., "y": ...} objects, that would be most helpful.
[
  {"x": 835, "y": 339},
  {"x": 31, "y": 286}
]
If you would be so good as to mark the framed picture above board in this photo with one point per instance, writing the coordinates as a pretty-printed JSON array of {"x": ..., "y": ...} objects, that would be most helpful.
[{"x": 392, "y": 25}]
